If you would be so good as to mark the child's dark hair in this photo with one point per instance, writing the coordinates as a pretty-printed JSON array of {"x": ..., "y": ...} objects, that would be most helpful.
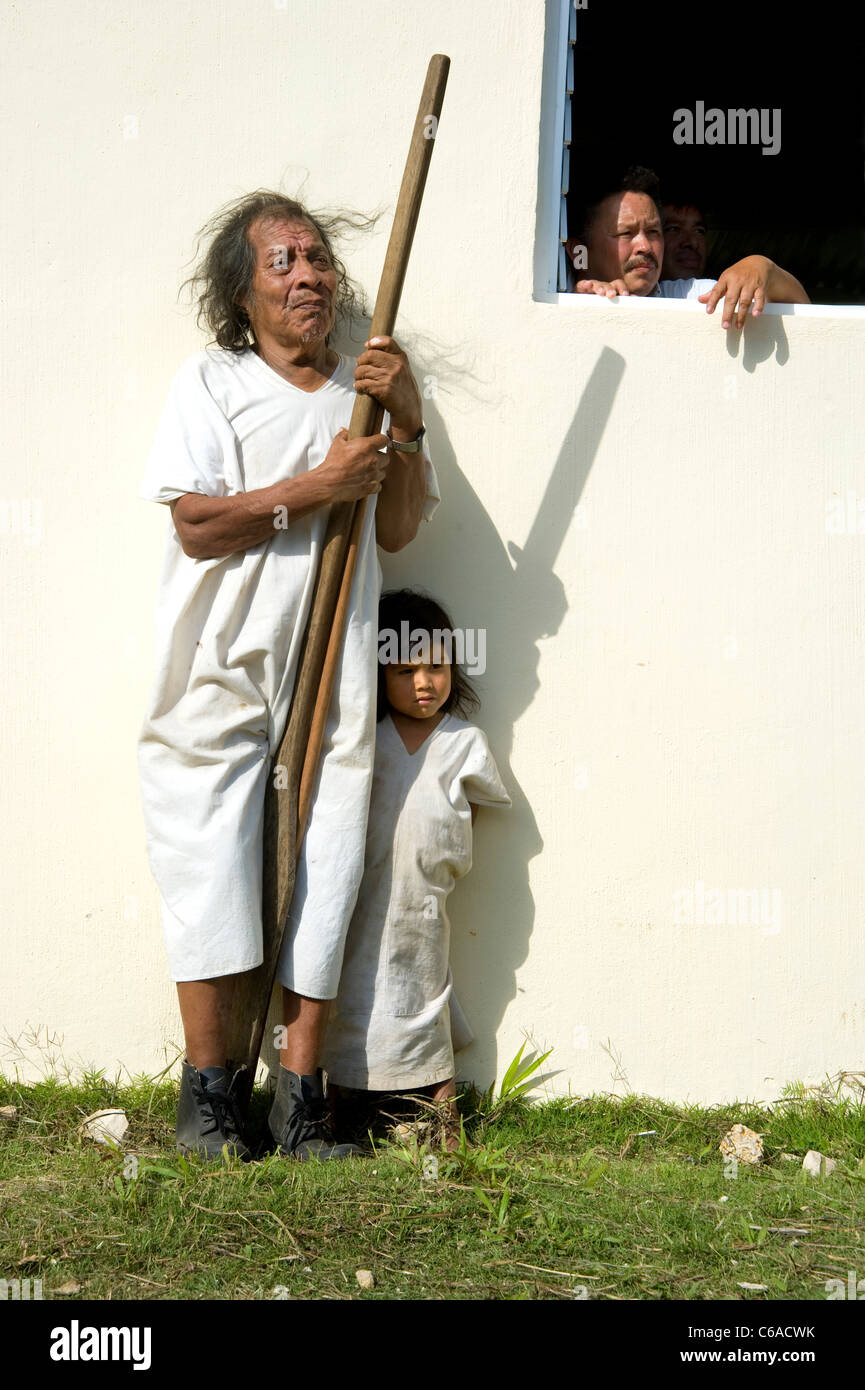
[{"x": 422, "y": 612}]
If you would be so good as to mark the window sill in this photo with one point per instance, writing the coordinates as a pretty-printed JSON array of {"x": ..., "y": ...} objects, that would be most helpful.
[{"x": 640, "y": 303}]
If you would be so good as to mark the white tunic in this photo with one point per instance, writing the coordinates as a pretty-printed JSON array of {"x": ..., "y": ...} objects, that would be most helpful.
[
  {"x": 228, "y": 637},
  {"x": 682, "y": 289},
  {"x": 390, "y": 1027}
]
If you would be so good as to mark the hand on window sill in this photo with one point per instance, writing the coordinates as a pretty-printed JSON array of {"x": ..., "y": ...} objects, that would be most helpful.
[{"x": 610, "y": 288}]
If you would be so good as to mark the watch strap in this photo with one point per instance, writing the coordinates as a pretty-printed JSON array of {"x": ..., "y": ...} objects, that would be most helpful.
[{"x": 408, "y": 446}]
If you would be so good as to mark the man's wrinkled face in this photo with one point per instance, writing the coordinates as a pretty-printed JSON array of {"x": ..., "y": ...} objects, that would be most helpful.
[
  {"x": 294, "y": 284},
  {"x": 684, "y": 243},
  {"x": 625, "y": 241}
]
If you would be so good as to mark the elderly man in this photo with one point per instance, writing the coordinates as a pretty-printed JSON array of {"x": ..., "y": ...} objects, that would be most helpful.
[
  {"x": 621, "y": 244},
  {"x": 250, "y": 454}
]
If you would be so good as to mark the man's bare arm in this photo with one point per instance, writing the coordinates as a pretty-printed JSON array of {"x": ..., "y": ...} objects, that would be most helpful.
[
  {"x": 399, "y": 508},
  {"x": 212, "y": 527},
  {"x": 752, "y": 283},
  {"x": 784, "y": 288}
]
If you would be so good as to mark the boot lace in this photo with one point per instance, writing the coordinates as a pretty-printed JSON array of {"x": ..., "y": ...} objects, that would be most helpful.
[
  {"x": 223, "y": 1113},
  {"x": 308, "y": 1120}
]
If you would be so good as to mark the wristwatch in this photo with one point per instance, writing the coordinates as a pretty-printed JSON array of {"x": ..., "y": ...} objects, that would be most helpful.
[{"x": 410, "y": 446}]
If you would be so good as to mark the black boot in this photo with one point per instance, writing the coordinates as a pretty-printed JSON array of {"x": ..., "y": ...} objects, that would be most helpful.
[
  {"x": 207, "y": 1114},
  {"x": 298, "y": 1119}
]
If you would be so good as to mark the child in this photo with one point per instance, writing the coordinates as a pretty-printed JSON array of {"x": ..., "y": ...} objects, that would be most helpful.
[{"x": 390, "y": 1026}]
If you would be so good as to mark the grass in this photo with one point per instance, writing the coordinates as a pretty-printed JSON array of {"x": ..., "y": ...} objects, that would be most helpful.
[{"x": 542, "y": 1201}]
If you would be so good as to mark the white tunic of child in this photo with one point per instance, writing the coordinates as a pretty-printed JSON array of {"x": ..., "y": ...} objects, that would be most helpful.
[{"x": 390, "y": 1028}]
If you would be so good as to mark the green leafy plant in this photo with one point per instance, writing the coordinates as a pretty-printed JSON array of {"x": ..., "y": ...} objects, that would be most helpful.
[
  {"x": 515, "y": 1082},
  {"x": 498, "y": 1210}
]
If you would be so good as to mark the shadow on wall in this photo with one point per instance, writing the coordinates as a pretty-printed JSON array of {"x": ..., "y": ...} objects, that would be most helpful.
[
  {"x": 514, "y": 593},
  {"x": 759, "y": 347}
]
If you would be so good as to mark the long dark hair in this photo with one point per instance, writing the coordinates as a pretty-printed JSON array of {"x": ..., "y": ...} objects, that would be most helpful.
[
  {"x": 422, "y": 613},
  {"x": 224, "y": 271}
]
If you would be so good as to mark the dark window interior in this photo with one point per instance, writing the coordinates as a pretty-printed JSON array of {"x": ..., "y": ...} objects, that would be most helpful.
[{"x": 636, "y": 64}]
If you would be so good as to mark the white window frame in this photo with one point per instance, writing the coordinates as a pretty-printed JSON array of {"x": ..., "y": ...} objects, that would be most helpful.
[
  {"x": 560, "y": 31},
  {"x": 554, "y": 152}
]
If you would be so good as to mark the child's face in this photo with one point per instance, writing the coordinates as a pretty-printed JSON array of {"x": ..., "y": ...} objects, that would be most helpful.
[{"x": 417, "y": 689}]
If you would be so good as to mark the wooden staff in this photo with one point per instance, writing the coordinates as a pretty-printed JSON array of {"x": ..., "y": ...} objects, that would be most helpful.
[{"x": 294, "y": 769}]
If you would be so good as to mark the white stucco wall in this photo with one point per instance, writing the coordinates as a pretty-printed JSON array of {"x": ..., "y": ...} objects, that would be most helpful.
[{"x": 675, "y": 670}]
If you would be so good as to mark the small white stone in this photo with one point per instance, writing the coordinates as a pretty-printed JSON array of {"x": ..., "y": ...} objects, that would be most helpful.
[
  {"x": 105, "y": 1126},
  {"x": 365, "y": 1278},
  {"x": 413, "y": 1129},
  {"x": 817, "y": 1164}
]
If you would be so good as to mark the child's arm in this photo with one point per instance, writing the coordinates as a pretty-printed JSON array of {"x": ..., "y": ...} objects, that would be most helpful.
[{"x": 479, "y": 777}]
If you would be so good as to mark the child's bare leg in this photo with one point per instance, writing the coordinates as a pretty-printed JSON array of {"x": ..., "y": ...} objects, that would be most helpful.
[
  {"x": 443, "y": 1093},
  {"x": 443, "y": 1090}
]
